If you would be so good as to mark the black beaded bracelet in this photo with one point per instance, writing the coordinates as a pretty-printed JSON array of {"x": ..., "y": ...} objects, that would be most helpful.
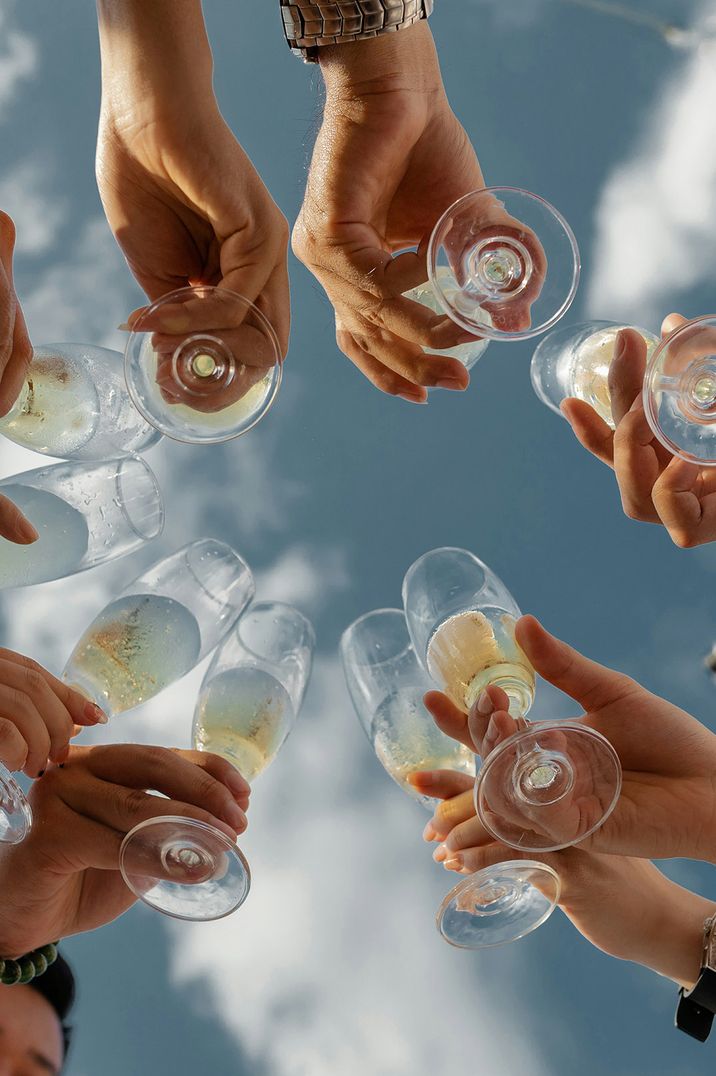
[{"x": 28, "y": 967}]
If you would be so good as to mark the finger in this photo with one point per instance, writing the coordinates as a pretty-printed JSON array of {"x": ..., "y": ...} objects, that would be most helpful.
[
  {"x": 223, "y": 771},
  {"x": 18, "y": 363},
  {"x": 13, "y": 746},
  {"x": 407, "y": 360},
  {"x": 588, "y": 683},
  {"x": 441, "y": 784},
  {"x": 14, "y": 526},
  {"x": 28, "y": 680},
  {"x": 671, "y": 323},
  {"x": 8, "y": 299},
  {"x": 626, "y": 372},
  {"x": 468, "y": 834},
  {"x": 80, "y": 709},
  {"x": 477, "y": 858},
  {"x": 379, "y": 375},
  {"x": 590, "y": 429},
  {"x": 451, "y": 813},
  {"x": 636, "y": 464},
  {"x": 19, "y": 709},
  {"x": 163, "y": 770},
  {"x": 480, "y": 718},
  {"x": 686, "y": 504},
  {"x": 274, "y": 302},
  {"x": 448, "y": 718}
]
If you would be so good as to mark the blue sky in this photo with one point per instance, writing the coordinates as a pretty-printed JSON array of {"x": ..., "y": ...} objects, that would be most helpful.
[{"x": 333, "y": 965}]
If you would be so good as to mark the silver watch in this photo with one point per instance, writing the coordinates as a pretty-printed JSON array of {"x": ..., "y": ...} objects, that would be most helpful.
[{"x": 308, "y": 26}]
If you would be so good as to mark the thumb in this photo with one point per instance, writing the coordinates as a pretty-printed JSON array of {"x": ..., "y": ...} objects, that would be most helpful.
[
  {"x": 588, "y": 683},
  {"x": 13, "y": 524}
]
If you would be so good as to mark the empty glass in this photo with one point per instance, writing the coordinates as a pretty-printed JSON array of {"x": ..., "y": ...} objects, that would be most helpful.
[
  {"x": 546, "y": 787},
  {"x": 386, "y": 684},
  {"x": 160, "y": 626},
  {"x": 203, "y": 365},
  {"x": 74, "y": 405},
  {"x": 85, "y": 514},
  {"x": 248, "y": 703},
  {"x": 503, "y": 264}
]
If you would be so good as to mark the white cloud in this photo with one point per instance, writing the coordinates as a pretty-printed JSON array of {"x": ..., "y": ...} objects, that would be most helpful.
[
  {"x": 656, "y": 217},
  {"x": 307, "y": 577},
  {"x": 18, "y": 57},
  {"x": 26, "y": 195}
]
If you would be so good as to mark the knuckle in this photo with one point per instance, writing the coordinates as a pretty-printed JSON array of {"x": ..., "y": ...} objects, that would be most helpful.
[
  {"x": 21, "y": 704},
  {"x": 13, "y": 749},
  {"x": 303, "y": 243},
  {"x": 35, "y": 683},
  {"x": 131, "y": 801}
]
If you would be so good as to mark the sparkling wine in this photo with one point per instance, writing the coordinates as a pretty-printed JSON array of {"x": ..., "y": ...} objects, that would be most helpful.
[
  {"x": 58, "y": 409},
  {"x": 472, "y": 650},
  {"x": 467, "y": 354},
  {"x": 244, "y": 715},
  {"x": 60, "y": 548},
  {"x": 406, "y": 739},
  {"x": 585, "y": 369},
  {"x": 135, "y": 647}
]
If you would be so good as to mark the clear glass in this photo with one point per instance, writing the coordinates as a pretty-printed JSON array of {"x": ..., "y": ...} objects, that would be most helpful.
[
  {"x": 551, "y": 784},
  {"x": 503, "y": 264},
  {"x": 386, "y": 684},
  {"x": 184, "y": 868},
  {"x": 574, "y": 361},
  {"x": 74, "y": 405},
  {"x": 680, "y": 391},
  {"x": 15, "y": 811},
  {"x": 86, "y": 514},
  {"x": 160, "y": 626},
  {"x": 248, "y": 703},
  {"x": 203, "y": 365},
  {"x": 254, "y": 688},
  {"x": 499, "y": 904}
]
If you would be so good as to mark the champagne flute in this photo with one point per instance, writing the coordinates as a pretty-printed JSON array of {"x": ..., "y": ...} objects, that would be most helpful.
[
  {"x": 85, "y": 514},
  {"x": 15, "y": 810},
  {"x": 74, "y": 405},
  {"x": 503, "y": 264},
  {"x": 679, "y": 391},
  {"x": 248, "y": 703},
  {"x": 386, "y": 684},
  {"x": 551, "y": 784},
  {"x": 202, "y": 365},
  {"x": 160, "y": 626}
]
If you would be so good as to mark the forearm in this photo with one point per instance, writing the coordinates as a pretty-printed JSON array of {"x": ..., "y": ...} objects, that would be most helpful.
[
  {"x": 672, "y": 940},
  {"x": 153, "y": 50}
]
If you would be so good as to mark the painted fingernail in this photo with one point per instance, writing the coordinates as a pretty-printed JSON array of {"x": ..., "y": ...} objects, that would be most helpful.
[
  {"x": 93, "y": 713},
  {"x": 454, "y": 863},
  {"x": 41, "y": 773},
  {"x": 429, "y": 833},
  {"x": 441, "y": 852},
  {"x": 451, "y": 383},
  {"x": 484, "y": 704},
  {"x": 62, "y": 765},
  {"x": 411, "y": 399},
  {"x": 27, "y": 532}
]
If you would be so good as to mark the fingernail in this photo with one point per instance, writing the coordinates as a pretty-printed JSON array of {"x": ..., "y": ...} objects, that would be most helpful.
[
  {"x": 490, "y": 737},
  {"x": 41, "y": 773},
  {"x": 429, "y": 833},
  {"x": 27, "y": 532},
  {"x": 441, "y": 852},
  {"x": 620, "y": 344},
  {"x": 235, "y": 817},
  {"x": 62, "y": 765},
  {"x": 484, "y": 704},
  {"x": 93, "y": 713},
  {"x": 424, "y": 778},
  {"x": 125, "y": 328},
  {"x": 454, "y": 863},
  {"x": 451, "y": 383},
  {"x": 411, "y": 399},
  {"x": 237, "y": 784}
]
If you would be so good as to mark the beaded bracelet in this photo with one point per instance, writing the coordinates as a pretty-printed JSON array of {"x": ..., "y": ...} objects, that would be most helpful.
[{"x": 28, "y": 967}]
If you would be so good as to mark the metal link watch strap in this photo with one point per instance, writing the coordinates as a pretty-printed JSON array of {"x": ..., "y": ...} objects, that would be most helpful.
[{"x": 308, "y": 25}]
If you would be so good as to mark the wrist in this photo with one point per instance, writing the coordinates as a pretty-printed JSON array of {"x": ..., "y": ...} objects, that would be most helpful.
[
  {"x": 405, "y": 60},
  {"x": 672, "y": 941},
  {"x": 154, "y": 53}
]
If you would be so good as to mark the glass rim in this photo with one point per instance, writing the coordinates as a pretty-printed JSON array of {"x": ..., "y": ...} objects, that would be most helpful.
[
  {"x": 347, "y": 632},
  {"x": 157, "y": 530}
]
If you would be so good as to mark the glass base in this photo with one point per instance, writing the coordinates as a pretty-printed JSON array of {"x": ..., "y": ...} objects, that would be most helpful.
[
  {"x": 15, "y": 811},
  {"x": 184, "y": 868},
  {"x": 680, "y": 392},
  {"x": 498, "y": 905},
  {"x": 203, "y": 365},
  {"x": 549, "y": 787}
]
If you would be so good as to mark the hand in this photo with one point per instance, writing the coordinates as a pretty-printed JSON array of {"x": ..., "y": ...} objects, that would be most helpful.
[
  {"x": 64, "y": 878},
  {"x": 624, "y": 906},
  {"x": 667, "y": 805},
  {"x": 15, "y": 346},
  {"x": 180, "y": 194},
  {"x": 38, "y": 715},
  {"x": 655, "y": 486},
  {"x": 378, "y": 183}
]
